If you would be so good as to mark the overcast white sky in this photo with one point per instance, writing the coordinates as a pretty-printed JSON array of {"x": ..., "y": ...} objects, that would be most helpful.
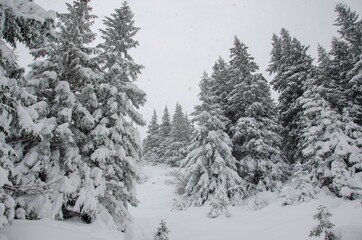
[{"x": 179, "y": 39}]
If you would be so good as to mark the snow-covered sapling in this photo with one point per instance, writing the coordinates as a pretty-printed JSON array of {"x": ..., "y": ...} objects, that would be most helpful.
[
  {"x": 162, "y": 231},
  {"x": 219, "y": 204},
  {"x": 325, "y": 225}
]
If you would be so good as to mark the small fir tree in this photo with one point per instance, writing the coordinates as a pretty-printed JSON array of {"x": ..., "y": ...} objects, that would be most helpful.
[
  {"x": 162, "y": 231},
  {"x": 179, "y": 138},
  {"x": 325, "y": 225},
  {"x": 152, "y": 141},
  {"x": 164, "y": 135}
]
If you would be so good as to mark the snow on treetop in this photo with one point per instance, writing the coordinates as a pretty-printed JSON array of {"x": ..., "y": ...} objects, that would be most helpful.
[{"x": 30, "y": 10}]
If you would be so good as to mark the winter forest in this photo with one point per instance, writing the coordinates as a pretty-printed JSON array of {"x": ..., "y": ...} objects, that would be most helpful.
[{"x": 71, "y": 155}]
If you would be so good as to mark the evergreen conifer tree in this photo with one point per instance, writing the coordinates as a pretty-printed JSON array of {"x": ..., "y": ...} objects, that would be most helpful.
[
  {"x": 253, "y": 123},
  {"x": 162, "y": 231},
  {"x": 328, "y": 134},
  {"x": 152, "y": 142},
  {"x": 341, "y": 67},
  {"x": 350, "y": 29},
  {"x": 65, "y": 78},
  {"x": 179, "y": 138},
  {"x": 209, "y": 166},
  {"x": 256, "y": 140},
  {"x": 115, "y": 145},
  {"x": 334, "y": 68},
  {"x": 164, "y": 135},
  {"x": 241, "y": 69},
  {"x": 26, "y": 22},
  {"x": 331, "y": 147},
  {"x": 325, "y": 224},
  {"x": 222, "y": 86},
  {"x": 330, "y": 79},
  {"x": 292, "y": 66}
]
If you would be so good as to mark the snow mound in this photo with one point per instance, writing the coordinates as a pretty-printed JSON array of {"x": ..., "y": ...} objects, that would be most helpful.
[{"x": 57, "y": 230}]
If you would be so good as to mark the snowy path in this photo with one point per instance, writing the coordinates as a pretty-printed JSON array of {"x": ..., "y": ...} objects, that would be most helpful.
[
  {"x": 155, "y": 198},
  {"x": 273, "y": 222}
]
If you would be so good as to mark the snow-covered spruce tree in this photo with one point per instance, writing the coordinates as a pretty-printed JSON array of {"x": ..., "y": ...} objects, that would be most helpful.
[
  {"x": 241, "y": 69},
  {"x": 164, "y": 135},
  {"x": 39, "y": 171},
  {"x": 253, "y": 127},
  {"x": 222, "y": 86},
  {"x": 209, "y": 166},
  {"x": 341, "y": 67},
  {"x": 162, "y": 231},
  {"x": 331, "y": 147},
  {"x": 152, "y": 142},
  {"x": 65, "y": 78},
  {"x": 337, "y": 80},
  {"x": 329, "y": 78},
  {"x": 325, "y": 225},
  {"x": 26, "y": 22},
  {"x": 256, "y": 138},
  {"x": 115, "y": 146},
  {"x": 350, "y": 29},
  {"x": 291, "y": 65},
  {"x": 179, "y": 138}
]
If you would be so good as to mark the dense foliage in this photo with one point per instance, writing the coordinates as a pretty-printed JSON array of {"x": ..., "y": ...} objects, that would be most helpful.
[{"x": 69, "y": 143}]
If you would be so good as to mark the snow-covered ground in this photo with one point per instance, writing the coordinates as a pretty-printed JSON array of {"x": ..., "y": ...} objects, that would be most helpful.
[
  {"x": 156, "y": 202},
  {"x": 272, "y": 222},
  {"x": 57, "y": 230}
]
